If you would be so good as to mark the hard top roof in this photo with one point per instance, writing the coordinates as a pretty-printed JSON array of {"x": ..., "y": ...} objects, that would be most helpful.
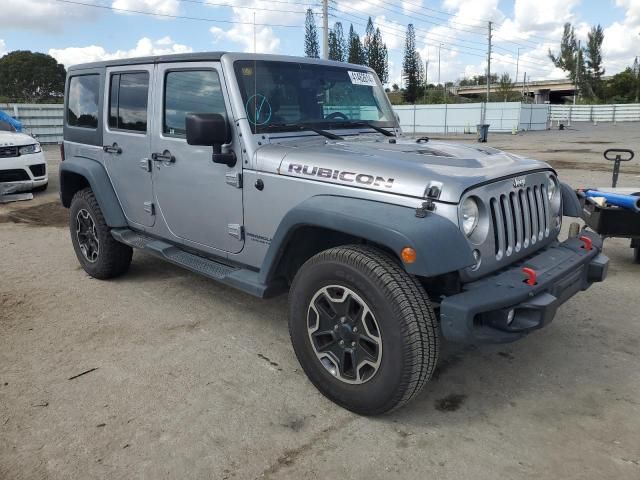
[{"x": 208, "y": 57}]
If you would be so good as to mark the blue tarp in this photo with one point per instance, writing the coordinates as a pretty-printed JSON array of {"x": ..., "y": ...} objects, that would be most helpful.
[{"x": 5, "y": 117}]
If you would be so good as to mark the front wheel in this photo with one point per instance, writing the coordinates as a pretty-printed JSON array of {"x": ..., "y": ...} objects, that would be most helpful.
[
  {"x": 98, "y": 252},
  {"x": 362, "y": 328}
]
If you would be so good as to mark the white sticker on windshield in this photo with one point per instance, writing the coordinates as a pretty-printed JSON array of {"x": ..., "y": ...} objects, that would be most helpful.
[{"x": 362, "y": 78}]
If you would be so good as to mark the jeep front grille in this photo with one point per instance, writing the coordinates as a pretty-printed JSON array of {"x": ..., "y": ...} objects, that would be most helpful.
[{"x": 520, "y": 219}]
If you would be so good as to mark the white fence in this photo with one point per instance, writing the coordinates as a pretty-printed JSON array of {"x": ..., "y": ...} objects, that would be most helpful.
[
  {"x": 620, "y": 112},
  {"x": 42, "y": 120},
  {"x": 460, "y": 118}
]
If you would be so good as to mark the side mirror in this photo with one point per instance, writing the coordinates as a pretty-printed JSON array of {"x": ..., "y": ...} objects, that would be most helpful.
[
  {"x": 207, "y": 129},
  {"x": 210, "y": 130}
]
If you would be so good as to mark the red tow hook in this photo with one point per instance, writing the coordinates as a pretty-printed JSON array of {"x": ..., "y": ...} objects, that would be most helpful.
[
  {"x": 588, "y": 243},
  {"x": 532, "y": 276}
]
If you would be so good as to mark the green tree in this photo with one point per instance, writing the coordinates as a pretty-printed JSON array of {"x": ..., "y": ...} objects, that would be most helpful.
[
  {"x": 31, "y": 77},
  {"x": 410, "y": 68},
  {"x": 367, "y": 42},
  {"x": 311, "y": 44},
  {"x": 337, "y": 45},
  {"x": 594, "y": 70},
  {"x": 623, "y": 87},
  {"x": 356, "y": 53},
  {"x": 378, "y": 57},
  {"x": 566, "y": 59},
  {"x": 505, "y": 87}
]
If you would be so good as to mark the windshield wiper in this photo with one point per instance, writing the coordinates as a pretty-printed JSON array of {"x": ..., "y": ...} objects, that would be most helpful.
[
  {"x": 302, "y": 127},
  {"x": 381, "y": 130}
]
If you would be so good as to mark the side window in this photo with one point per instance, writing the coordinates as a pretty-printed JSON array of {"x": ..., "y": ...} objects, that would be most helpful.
[
  {"x": 82, "y": 102},
  {"x": 189, "y": 91},
  {"x": 128, "y": 96}
]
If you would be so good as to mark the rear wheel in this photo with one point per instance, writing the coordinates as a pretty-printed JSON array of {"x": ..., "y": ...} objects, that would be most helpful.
[
  {"x": 636, "y": 254},
  {"x": 362, "y": 328},
  {"x": 99, "y": 253}
]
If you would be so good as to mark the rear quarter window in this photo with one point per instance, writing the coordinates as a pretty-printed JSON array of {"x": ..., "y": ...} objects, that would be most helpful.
[{"x": 83, "y": 100}]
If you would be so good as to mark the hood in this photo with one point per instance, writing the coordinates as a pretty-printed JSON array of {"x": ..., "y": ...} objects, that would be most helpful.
[
  {"x": 10, "y": 139},
  {"x": 403, "y": 168}
]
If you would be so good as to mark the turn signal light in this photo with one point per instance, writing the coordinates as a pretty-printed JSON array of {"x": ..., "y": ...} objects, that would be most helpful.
[{"x": 408, "y": 255}]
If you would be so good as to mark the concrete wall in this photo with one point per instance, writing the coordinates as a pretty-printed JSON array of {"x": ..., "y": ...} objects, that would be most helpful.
[
  {"x": 621, "y": 112},
  {"x": 45, "y": 120},
  {"x": 461, "y": 118},
  {"x": 42, "y": 120}
]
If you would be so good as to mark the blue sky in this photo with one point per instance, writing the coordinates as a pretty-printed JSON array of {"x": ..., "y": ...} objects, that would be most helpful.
[{"x": 75, "y": 33}]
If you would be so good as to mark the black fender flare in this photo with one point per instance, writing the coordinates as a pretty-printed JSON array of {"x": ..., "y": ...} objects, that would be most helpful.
[
  {"x": 439, "y": 243},
  {"x": 98, "y": 179},
  {"x": 570, "y": 204}
]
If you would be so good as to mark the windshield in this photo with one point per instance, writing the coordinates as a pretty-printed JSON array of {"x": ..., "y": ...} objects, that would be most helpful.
[
  {"x": 6, "y": 127},
  {"x": 279, "y": 96}
]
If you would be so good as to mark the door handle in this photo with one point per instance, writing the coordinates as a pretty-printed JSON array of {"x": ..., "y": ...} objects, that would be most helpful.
[
  {"x": 112, "y": 148},
  {"x": 163, "y": 157}
]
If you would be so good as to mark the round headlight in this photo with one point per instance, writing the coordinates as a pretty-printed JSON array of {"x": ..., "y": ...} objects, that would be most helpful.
[
  {"x": 552, "y": 188},
  {"x": 469, "y": 212}
]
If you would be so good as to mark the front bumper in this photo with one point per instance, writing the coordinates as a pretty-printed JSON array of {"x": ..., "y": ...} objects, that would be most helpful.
[
  {"x": 482, "y": 312},
  {"x": 24, "y": 172}
]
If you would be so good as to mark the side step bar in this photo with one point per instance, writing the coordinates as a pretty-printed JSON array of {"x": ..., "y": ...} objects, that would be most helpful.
[{"x": 240, "y": 278}]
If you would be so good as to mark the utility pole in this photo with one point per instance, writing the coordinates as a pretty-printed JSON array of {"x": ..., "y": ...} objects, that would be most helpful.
[
  {"x": 636, "y": 68},
  {"x": 426, "y": 76},
  {"x": 439, "y": 47},
  {"x": 577, "y": 75},
  {"x": 517, "y": 66},
  {"x": 489, "y": 63},
  {"x": 325, "y": 29},
  {"x": 523, "y": 82}
]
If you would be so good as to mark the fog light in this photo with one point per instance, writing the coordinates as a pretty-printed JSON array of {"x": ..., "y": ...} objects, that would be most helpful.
[{"x": 510, "y": 316}]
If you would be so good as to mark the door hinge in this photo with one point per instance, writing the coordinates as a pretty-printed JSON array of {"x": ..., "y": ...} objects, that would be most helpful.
[
  {"x": 145, "y": 164},
  {"x": 234, "y": 179},
  {"x": 235, "y": 230},
  {"x": 149, "y": 208}
]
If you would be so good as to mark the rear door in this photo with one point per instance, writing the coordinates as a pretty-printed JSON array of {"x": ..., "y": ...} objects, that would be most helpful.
[
  {"x": 127, "y": 140},
  {"x": 200, "y": 201}
]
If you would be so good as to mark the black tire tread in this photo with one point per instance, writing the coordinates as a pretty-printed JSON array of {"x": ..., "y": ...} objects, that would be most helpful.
[
  {"x": 410, "y": 303},
  {"x": 116, "y": 256}
]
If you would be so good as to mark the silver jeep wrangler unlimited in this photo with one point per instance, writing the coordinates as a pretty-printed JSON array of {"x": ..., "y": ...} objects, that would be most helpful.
[{"x": 274, "y": 174}]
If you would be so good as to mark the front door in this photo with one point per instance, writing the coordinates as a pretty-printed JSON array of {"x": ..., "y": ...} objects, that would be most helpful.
[
  {"x": 127, "y": 140},
  {"x": 196, "y": 197}
]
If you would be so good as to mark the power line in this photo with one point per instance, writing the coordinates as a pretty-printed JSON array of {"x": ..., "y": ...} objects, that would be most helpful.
[
  {"x": 177, "y": 17},
  {"x": 205, "y": 3},
  {"x": 439, "y": 37},
  {"x": 463, "y": 49}
]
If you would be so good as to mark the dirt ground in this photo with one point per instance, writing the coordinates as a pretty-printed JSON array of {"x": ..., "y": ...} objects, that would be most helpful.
[{"x": 164, "y": 374}]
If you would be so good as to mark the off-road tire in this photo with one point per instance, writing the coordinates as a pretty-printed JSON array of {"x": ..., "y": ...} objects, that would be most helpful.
[
  {"x": 113, "y": 258},
  {"x": 408, "y": 327},
  {"x": 636, "y": 254}
]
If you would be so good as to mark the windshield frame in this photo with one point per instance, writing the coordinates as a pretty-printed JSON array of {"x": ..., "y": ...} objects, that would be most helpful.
[{"x": 380, "y": 98}]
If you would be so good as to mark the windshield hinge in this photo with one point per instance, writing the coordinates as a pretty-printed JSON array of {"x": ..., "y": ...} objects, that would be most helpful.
[{"x": 234, "y": 179}]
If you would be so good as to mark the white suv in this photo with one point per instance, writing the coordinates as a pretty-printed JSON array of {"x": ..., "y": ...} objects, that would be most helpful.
[{"x": 22, "y": 163}]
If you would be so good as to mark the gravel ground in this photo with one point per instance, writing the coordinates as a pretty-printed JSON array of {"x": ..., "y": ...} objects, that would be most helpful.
[{"x": 190, "y": 379}]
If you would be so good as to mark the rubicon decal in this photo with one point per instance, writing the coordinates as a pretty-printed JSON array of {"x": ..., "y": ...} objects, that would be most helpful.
[{"x": 341, "y": 175}]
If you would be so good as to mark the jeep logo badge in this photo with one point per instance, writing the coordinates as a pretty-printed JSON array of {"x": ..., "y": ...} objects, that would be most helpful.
[{"x": 519, "y": 182}]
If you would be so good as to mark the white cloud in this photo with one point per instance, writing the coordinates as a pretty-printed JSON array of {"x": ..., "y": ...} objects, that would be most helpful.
[
  {"x": 163, "y": 7},
  {"x": 622, "y": 39},
  {"x": 93, "y": 53},
  {"x": 46, "y": 15},
  {"x": 3, "y": 47},
  {"x": 266, "y": 39}
]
